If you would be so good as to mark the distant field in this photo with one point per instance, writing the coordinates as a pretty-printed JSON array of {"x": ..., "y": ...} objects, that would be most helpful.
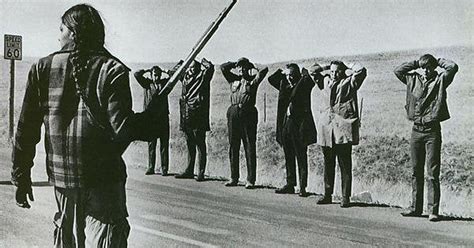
[{"x": 380, "y": 159}]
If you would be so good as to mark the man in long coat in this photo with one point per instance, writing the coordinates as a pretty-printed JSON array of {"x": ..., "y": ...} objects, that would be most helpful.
[
  {"x": 338, "y": 122},
  {"x": 295, "y": 125}
]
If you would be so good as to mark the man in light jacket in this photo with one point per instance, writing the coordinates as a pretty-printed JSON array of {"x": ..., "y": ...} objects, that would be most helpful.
[
  {"x": 426, "y": 106},
  {"x": 338, "y": 123}
]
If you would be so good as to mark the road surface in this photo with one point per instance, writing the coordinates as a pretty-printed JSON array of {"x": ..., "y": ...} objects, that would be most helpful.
[{"x": 168, "y": 212}]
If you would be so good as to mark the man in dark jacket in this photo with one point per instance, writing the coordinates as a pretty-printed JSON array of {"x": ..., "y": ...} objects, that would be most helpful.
[
  {"x": 242, "y": 116},
  {"x": 152, "y": 85},
  {"x": 426, "y": 106},
  {"x": 295, "y": 125},
  {"x": 194, "y": 121}
]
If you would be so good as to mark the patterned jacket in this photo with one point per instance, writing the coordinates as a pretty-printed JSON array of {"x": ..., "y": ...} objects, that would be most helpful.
[{"x": 78, "y": 151}]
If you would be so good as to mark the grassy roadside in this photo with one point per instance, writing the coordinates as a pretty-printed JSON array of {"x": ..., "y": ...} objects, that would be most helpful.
[{"x": 381, "y": 161}]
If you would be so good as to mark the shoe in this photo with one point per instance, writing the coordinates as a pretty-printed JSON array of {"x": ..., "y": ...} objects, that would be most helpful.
[
  {"x": 184, "y": 176},
  {"x": 345, "y": 203},
  {"x": 434, "y": 217},
  {"x": 327, "y": 199},
  {"x": 249, "y": 185},
  {"x": 149, "y": 172},
  {"x": 232, "y": 183},
  {"x": 411, "y": 214},
  {"x": 303, "y": 193},
  {"x": 164, "y": 174},
  {"x": 285, "y": 190},
  {"x": 200, "y": 178}
]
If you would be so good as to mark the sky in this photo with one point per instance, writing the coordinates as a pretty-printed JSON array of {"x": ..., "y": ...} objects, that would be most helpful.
[{"x": 265, "y": 31}]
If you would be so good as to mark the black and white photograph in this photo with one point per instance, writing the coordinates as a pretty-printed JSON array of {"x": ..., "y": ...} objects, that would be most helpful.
[{"x": 236, "y": 123}]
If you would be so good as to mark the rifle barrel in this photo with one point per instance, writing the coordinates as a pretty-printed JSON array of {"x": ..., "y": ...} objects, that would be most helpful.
[{"x": 197, "y": 48}]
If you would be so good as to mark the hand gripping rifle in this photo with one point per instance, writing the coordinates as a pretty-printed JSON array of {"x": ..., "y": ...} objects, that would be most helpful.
[{"x": 196, "y": 49}]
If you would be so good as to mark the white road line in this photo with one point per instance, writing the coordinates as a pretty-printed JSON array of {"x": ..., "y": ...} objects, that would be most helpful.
[
  {"x": 185, "y": 224},
  {"x": 172, "y": 236}
]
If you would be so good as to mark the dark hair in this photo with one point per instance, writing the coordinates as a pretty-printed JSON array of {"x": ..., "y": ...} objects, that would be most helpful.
[
  {"x": 296, "y": 69},
  {"x": 157, "y": 69},
  {"x": 427, "y": 60},
  {"x": 293, "y": 66},
  {"x": 88, "y": 28},
  {"x": 339, "y": 64}
]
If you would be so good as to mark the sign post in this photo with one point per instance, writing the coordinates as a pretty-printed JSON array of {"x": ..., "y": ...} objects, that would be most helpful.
[{"x": 12, "y": 51}]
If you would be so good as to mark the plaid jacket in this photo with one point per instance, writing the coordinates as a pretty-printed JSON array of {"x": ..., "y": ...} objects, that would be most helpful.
[{"x": 78, "y": 152}]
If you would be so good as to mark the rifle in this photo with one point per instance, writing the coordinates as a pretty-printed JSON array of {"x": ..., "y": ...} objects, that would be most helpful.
[
  {"x": 360, "y": 114},
  {"x": 196, "y": 49}
]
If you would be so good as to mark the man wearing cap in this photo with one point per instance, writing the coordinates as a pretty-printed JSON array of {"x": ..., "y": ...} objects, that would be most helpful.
[
  {"x": 338, "y": 122},
  {"x": 426, "y": 106},
  {"x": 295, "y": 124},
  {"x": 194, "y": 121},
  {"x": 242, "y": 116},
  {"x": 152, "y": 85}
]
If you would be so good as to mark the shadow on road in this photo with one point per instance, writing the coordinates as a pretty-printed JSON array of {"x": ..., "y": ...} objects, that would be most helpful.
[
  {"x": 35, "y": 184},
  {"x": 371, "y": 205},
  {"x": 450, "y": 218}
]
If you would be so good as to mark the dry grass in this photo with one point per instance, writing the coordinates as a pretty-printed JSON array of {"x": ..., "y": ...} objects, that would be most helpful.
[{"x": 381, "y": 161}]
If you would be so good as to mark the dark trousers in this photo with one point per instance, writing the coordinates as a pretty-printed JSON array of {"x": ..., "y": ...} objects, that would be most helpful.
[
  {"x": 294, "y": 149},
  {"x": 343, "y": 153},
  {"x": 426, "y": 150},
  {"x": 196, "y": 139},
  {"x": 242, "y": 125},
  {"x": 164, "y": 151}
]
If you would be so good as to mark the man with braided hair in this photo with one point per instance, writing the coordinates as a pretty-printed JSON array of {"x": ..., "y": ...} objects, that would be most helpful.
[{"x": 81, "y": 94}]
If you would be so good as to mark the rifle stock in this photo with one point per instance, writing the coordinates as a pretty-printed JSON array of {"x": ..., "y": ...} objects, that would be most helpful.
[{"x": 196, "y": 49}]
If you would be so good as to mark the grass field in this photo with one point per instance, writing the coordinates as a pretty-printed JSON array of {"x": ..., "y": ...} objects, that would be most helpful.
[{"x": 381, "y": 161}]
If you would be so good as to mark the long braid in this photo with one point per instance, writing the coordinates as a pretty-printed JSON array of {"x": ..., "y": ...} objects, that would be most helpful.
[
  {"x": 86, "y": 24},
  {"x": 88, "y": 29}
]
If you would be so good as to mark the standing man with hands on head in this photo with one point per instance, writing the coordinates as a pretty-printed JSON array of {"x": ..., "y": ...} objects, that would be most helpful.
[
  {"x": 295, "y": 124},
  {"x": 242, "y": 116},
  {"x": 338, "y": 122},
  {"x": 151, "y": 86},
  {"x": 426, "y": 106},
  {"x": 194, "y": 121}
]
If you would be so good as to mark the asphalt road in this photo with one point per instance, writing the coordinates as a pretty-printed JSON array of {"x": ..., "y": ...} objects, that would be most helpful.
[{"x": 167, "y": 212}]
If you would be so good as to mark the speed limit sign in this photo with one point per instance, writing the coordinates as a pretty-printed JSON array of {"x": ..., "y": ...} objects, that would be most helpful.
[{"x": 12, "y": 48}]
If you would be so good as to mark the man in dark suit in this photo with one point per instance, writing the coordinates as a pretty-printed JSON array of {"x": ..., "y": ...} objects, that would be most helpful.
[
  {"x": 152, "y": 85},
  {"x": 295, "y": 125},
  {"x": 242, "y": 116},
  {"x": 194, "y": 119}
]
